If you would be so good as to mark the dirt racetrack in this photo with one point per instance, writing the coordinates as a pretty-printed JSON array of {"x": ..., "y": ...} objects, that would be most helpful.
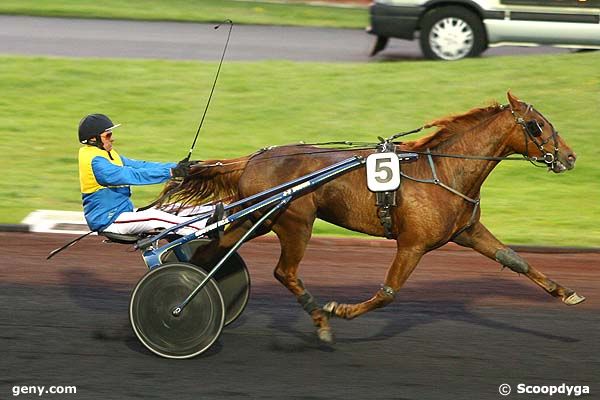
[{"x": 460, "y": 327}]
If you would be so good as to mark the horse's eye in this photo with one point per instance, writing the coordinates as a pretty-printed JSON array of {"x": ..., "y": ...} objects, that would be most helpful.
[{"x": 541, "y": 124}]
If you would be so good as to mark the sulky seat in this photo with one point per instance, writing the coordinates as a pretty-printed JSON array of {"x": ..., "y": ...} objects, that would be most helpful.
[{"x": 121, "y": 238}]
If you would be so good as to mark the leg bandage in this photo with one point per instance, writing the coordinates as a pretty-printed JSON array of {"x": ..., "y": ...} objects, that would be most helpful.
[
  {"x": 509, "y": 258},
  {"x": 307, "y": 301}
]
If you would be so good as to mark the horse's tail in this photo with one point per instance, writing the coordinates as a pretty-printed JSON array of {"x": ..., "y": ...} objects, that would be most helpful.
[{"x": 209, "y": 181}]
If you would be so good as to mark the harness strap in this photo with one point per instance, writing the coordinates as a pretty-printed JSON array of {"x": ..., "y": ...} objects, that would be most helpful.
[
  {"x": 386, "y": 200},
  {"x": 436, "y": 181},
  {"x": 469, "y": 224}
]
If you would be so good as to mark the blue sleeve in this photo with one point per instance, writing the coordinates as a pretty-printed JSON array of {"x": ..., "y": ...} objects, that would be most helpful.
[
  {"x": 128, "y": 162},
  {"x": 109, "y": 174}
]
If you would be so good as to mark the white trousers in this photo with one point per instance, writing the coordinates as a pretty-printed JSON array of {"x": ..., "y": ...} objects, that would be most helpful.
[{"x": 152, "y": 219}]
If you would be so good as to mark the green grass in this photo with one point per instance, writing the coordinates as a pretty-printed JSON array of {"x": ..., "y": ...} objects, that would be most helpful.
[
  {"x": 258, "y": 104},
  {"x": 240, "y": 12}
]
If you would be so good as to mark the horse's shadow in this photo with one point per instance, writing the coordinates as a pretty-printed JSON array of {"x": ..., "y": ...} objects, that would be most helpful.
[
  {"x": 90, "y": 292},
  {"x": 107, "y": 303},
  {"x": 453, "y": 301}
]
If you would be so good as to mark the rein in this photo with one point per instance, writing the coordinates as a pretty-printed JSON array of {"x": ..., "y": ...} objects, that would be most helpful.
[
  {"x": 531, "y": 129},
  {"x": 548, "y": 158}
]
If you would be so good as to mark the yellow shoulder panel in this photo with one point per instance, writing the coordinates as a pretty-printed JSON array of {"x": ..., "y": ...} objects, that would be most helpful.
[{"x": 87, "y": 180}]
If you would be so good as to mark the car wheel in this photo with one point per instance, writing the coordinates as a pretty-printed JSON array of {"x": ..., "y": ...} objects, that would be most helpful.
[{"x": 452, "y": 33}]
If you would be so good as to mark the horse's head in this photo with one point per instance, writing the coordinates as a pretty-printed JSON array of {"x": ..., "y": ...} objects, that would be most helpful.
[{"x": 535, "y": 136}]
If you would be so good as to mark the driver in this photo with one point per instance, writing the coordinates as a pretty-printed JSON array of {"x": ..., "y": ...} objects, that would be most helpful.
[{"x": 105, "y": 177}]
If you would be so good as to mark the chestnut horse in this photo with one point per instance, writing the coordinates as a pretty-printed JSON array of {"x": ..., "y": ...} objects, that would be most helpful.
[{"x": 426, "y": 217}]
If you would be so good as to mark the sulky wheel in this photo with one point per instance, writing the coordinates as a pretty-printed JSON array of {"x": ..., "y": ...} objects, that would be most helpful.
[
  {"x": 153, "y": 300},
  {"x": 233, "y": 280}
]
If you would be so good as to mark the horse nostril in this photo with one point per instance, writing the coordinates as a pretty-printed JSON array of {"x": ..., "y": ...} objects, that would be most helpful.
[{"x": 571, "y": 159}]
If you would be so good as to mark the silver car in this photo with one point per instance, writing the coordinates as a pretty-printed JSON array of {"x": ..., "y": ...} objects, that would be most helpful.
[{"x": 454, "y": 29}]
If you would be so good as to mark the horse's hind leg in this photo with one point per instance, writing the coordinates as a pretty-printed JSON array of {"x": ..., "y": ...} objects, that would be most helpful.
[
  {"x": 294, "y": 232},
  {"x": 480, "y": 239},
  {"x": 403, "y": 265}
]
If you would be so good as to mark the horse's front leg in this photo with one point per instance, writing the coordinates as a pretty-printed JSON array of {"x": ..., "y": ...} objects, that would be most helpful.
[
  {"x": 294, "y": 232},
  {"x": 403, "y": 265},
  {"x": 483, "y": 241}
]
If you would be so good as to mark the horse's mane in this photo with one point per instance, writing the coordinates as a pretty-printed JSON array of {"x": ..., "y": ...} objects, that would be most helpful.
[
  {"x": 450, "y": 125},
  {"x": 209, "y": 181}
]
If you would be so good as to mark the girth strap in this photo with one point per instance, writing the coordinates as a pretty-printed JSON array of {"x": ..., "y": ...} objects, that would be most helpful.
[{"x": 385, "y": 201}]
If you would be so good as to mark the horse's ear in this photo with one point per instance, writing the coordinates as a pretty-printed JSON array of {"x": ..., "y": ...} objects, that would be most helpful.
[{"x": 515, "y": 103}]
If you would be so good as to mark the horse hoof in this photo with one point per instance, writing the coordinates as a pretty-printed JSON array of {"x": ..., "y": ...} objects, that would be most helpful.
[
  {"x": 325, "y": 335},
  {"x": 573, "y": 299},
  {"x": 330, "y": 307}
]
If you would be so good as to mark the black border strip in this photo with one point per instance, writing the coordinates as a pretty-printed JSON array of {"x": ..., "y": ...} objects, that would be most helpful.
[
  {"x": 493, "y": 15},
  {"x": 552, "y": 17},
  {"x": 553, "y": 3}
]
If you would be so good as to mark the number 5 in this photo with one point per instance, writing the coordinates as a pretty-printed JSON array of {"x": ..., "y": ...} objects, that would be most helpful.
[
  {"x": 383, "y": 172},
  {"x": 381, "y": 168}
]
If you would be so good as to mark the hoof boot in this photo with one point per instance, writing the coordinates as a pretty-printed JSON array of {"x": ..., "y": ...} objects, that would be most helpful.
[
  {"x": 573, "y": 299},
  {"x": 325, "y": 335}
]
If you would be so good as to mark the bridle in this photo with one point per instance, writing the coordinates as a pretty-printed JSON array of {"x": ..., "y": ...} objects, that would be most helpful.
[{"x": 532, "y": 130}]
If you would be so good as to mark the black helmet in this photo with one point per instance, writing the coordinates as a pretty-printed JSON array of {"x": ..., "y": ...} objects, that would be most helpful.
[{"x": 93, "y": 125}]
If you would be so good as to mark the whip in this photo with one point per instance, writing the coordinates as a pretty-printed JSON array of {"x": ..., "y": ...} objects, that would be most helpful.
[{"x": 227, "y": 21}]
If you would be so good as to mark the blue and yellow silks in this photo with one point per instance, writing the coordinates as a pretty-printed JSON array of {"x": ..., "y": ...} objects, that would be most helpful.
[{"x": 105, "y": 177}]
